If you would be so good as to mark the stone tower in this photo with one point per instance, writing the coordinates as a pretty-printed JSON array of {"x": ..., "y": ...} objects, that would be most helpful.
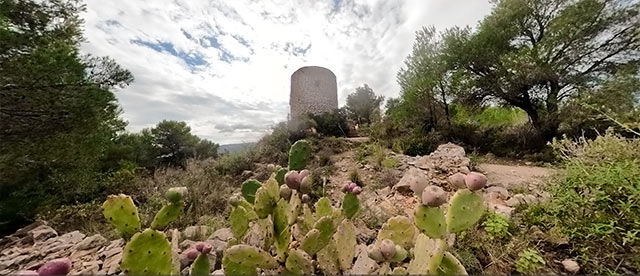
[{"x": 313, "y": 90}]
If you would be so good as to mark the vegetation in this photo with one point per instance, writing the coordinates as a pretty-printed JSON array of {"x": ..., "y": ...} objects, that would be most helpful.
[{"x": 363, "y": 104}]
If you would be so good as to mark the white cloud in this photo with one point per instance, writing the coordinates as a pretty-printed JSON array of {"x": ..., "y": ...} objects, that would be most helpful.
[{"x": 224, "y": 66}]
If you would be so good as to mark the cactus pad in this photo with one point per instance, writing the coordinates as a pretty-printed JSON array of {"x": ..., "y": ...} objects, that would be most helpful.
[
  {"x": 272, "y": 188},
  {"x": 298, "y": 262},
  {"x": 323, "y": 207},
  {"x": 231, "y": 268},
  {"x": 239, "y": 222},
  {"x": 251, "y": 214},
  {"x": 431, "y": 221},
  {"x": 166, "y": 215},
  {"x": 465, "y": 209},
  {"x": 427, "y": 255},
  {"x": 201, "y": 265},
  {"x": 400, "y": 254},
  {"x": 450, "y": 265},
  {"x": 250, "y": 256},
  {"x": 281, "y": 230},
  {"x": 350, "y": 205},
  {"x": 122, "y": 213},
  {"x": 249, "y": 189},
  {"x": 264, "y": 203},
  {"x": 345, "y": 243},
  {"x": 280, "y": 175},
  {"x": 299, "y": 155},
  {"x": 293, "y": 210},
  {"x": 308, "y": 219},
  {"x": 327, "y": 259},
  {"x": 399, "y": 271},
  {"x": 319, "y": 237},
  {"x": 399, "y": 229},
  {"x": 147, "y": 253}
]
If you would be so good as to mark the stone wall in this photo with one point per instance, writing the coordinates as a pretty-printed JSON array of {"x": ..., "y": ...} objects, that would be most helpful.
[{"x": 313, "y": 90}]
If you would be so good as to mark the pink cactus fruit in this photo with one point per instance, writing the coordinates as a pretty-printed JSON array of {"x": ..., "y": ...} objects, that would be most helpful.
[
  {"x": 60, "y": 266},
  {"x": 457, "y": 180},
  {"x": 356, "y": 191},
  {"x": 387, "y": 248},
  {"x": 292, "y": 179},
  {"x": 475, "y": 181},
  {"x": 192, "y": 254},
  {"x": 433, "y": 196}
]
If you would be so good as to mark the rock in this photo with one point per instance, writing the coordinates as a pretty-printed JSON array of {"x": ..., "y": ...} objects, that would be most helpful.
[
  {"x": 196, "y": 233},
  {"x": 530, "y": 199},
  {"x": 111, "y": 265},
  {"x": 186, "y": 244},
  {"x": 363, "y": 265},
  {"x": 384, "y": 192},
  {"x": 570, "y": 266},
  {"x": 412, "y": 180},
  {"x": 364, "y": 235},
  {"x": 502, "y": 191},
  {"x": 72, "y": 237},
  {"x": 42, "y": 233},
  {"x": 222, "y": 234},
  {"x": 91, "y": 242},
  {"x": 246, "y": 174},
  {"x": 513, "y": 202},
  {"x": 217, "y": 245}
]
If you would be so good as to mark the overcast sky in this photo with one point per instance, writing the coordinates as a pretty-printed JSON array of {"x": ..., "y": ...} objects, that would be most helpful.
[{"x": 224, "y": 67}]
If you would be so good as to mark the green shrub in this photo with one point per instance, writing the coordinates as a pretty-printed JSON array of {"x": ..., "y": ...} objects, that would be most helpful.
[
  {"x": 331, "y": 123},
  {"x": 390, "y": 163},
  {"x": 496, "y": 226},
  {"x": 529, "y": 261},
  {"x": 235, "y": 163}
]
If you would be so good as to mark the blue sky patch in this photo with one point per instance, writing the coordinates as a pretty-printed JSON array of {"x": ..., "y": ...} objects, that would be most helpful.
[{"x": 192, "y": 59}]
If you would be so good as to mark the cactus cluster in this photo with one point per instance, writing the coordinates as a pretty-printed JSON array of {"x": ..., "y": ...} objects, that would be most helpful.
[{"x": 147, "y": 252}]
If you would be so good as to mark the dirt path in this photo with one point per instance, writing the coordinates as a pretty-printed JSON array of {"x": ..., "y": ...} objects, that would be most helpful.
[{"x": 512, "y": 177}]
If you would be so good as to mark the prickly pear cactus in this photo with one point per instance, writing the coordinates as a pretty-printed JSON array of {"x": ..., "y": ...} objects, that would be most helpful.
[
  {"x": 327, "y": 261},
  {"x": 465, "y": 209},
  {"x": 239, "y": 222},
  {"x": 399, "y": 229},
  {"x": 431, "y": 221},
  {"x": 319, "y": 236},
  {"x": 264, "y": 203},
  {"x": 147, "y": 253},
  {"x": 251, "y": 214},
  {"x": 250, "y": 256},
  {"x": 176, "y": 194},
  {"x": 281, "y": 230},
  {"x": 298, "y": 262},
  {"x": 345, "y": 243},
  {"x": 399, "y": 271},
  {"x": 166, "y": 215},
  {"x": 299, "y": 155},
  {"x": 120, "y": 211},
  {"x": 249, "y": 189},
  {"x": 427, "y": 255},
  {"x": 201, "y": 265},
  {"x": 350, "y": 205},
  {"x": 323, "y": 207},
  {"x": 308, "y": 219},
  {"x": 450, "y": 265},
  {"x": 232, "y": 268},
  {"x": 293, "y": 209},
  {"x": 280, "y": 175}
]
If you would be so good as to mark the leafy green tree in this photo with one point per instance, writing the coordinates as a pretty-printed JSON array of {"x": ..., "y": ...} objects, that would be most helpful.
[
  {"x": 362, "y": 103},
  {"x": 58, "y": 114},
  {"x": 537, "y": 54},
  {"x": 175, "y": 144}
]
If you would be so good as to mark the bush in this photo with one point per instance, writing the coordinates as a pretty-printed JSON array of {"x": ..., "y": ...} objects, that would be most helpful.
[
  {"x": 597, "y": 202},
  {"x": 331, "y": 123}
]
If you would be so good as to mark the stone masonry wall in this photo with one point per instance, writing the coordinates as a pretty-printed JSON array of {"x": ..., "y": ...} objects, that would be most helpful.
[{"x": 313, "y": 90}]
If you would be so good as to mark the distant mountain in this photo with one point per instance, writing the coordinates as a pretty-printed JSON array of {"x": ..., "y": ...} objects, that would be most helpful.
[{"x": 234, "y": 147}]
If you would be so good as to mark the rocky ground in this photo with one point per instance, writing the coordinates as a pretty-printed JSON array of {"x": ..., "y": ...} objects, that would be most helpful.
[{"x": 387, "y": 194}]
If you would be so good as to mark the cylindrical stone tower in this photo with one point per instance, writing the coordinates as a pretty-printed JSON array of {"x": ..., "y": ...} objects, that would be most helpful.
[{"x": 313, "y": 90}]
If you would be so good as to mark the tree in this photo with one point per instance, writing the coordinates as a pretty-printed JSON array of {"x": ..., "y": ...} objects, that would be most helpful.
[
  {"x": 175, "y": 144},
  {"x": 58, "y": 114},
  {"x": 538, "y": 54},
  {"x": 362, "y": 103}
]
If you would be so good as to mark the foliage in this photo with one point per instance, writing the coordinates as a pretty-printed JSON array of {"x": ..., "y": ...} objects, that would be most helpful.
[
  {"x": 331, "y": 123},
  {"x": 529, "y": 261},
  {"x": 596, "y": 202},
  {"x": 362, "y": 104},
  {"x": 496, "y": 226}
]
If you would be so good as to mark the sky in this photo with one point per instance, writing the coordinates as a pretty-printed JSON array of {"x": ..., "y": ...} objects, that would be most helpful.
[{"x": 224, "y": 67}]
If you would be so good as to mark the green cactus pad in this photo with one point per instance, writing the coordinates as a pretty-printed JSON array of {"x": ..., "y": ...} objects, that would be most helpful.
[
  {"x": 176, "y": 194},
  {"x": 251, "y": 214},
  {"x": 273, "y": 188},
  {"x": 166, "y": 215},
  {"x": 299, "y": 263},
  {"x": 264, "y": 203},
  {"x": 201, "y": 265},
  {"x": 293, "y": 210},
  {"x": 399, "y": 271},
  {"x": 327, "y": 259},
  {"x": 323, "y": 207},
  {"x": 427, "y": 255},
  {"x": 147, "y": 253},
  {"x": 239, "y": 222},
  {"x": 299, "y": 155},
  {"x": 266, "y": 231},
  {"x": 280, "y": 175},
  {"x": 431, "y": 221},
  {"x": 400, "y": 255},
  {"x": 345, "y": 243},
  {"x": 281, "y": 230},
  {"x": 250, "y": 256},
  {"x": 319, "y": 237},
  {"x": 465, "y": 209},
  {"x": 122, "y": 213},
  {"x": 308, "y": 218},
  {"x": 399, "y": 229},
  {"x": 249, "y": 189},
  {"x": 450, "y": 265},
  {"x": 350, "y": 205},
  {"x": 231, "y": 268}
]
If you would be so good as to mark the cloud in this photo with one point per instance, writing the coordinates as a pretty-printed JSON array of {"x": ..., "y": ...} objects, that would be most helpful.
[{"x": 224, "y": 67}]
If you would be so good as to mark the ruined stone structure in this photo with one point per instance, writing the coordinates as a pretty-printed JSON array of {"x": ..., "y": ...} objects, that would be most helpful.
[{"x": 313, "y": 90}]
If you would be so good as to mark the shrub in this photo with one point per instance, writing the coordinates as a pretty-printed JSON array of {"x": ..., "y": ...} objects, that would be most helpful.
[
  {"x": 529, "y": 261},
  {"x": 331, "y": 123},
  {"x": 496, "y": 226}
]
